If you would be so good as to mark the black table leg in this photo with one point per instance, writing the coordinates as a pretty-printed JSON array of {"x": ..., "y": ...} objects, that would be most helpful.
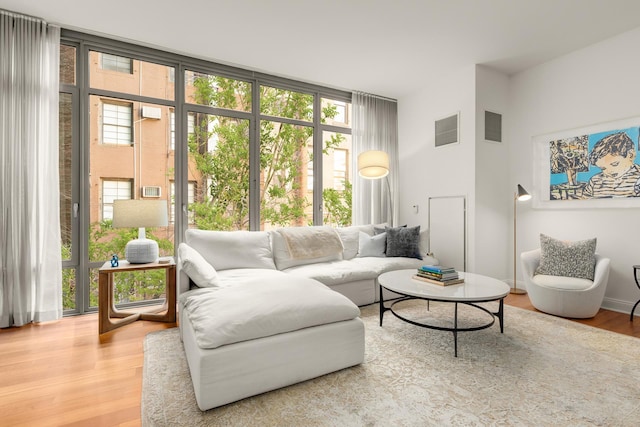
[
  {"x": 501, "y": 316},
  {"x": 455, "y": 332},
  {"x": 634, "y": 309},
  {"x": 381, "y": 305},
  {"x": 635, "y": 277}
]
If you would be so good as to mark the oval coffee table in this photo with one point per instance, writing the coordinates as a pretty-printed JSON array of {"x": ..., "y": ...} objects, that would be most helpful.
[{"x": 475, "y": 289}]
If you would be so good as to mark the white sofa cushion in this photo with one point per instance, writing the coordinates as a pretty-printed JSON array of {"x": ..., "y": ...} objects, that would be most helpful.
[
  {"x": 197, "y": 268},
  {"x": 382, "y": 265},
  {"x": 350, "y": 238},
  {"x": 562, "y": 282},
  {"x": 237, "y": 276},
  {"x": 283, "y": 258},
  {"x": 333, "y": 273},
  {"x": 232, "y": 249},
  {"x": 261, "y": 307}
]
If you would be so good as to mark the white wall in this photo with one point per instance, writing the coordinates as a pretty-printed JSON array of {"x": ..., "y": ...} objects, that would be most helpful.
[
  {"x": 493, "y": 238},
  {"x": 597, "y": 84},
  {"x": 590, "y": 86},
  {"x": 426, "y": 171}
]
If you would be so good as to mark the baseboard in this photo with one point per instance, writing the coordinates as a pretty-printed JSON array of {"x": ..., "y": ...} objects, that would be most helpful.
[{"x": 619, "y": 305}]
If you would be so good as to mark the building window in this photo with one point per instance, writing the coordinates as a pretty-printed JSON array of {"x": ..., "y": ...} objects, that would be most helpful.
[
  {"x": 116, "y": 63},
  {"x": 339, "y": 168},
  {"x": 172, "y": 130},
  {"x": 341, "y": 112},
  {"x": 113, "y": 190},
  {"x": 310, "y": 175},
  {"x": 117, "y": 123}
]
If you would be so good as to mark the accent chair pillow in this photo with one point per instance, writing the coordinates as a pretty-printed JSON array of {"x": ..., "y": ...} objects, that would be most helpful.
[
  {"x": 566, "y": 258},
  {"x": 403, "y": 242},
  {"x": 372, "y": 245},
  {"x": 197, "y": 268}
]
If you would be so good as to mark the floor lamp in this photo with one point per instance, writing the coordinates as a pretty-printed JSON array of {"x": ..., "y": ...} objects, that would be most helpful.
[
  {"x": 521, "y": 195},
  {"x": 374, "y": 164}
]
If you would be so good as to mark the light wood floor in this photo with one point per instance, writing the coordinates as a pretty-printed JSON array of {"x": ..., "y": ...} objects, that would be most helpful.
[{"x": 63, "y": 374}]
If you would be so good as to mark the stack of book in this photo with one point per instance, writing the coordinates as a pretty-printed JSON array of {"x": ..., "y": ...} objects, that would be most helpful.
[{"x": 438, "y": 275}]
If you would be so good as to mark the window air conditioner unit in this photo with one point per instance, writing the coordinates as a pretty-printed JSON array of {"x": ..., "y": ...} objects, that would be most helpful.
[
  {"x": 151, "y": 112},
  {"x": 151, "y": 191}
]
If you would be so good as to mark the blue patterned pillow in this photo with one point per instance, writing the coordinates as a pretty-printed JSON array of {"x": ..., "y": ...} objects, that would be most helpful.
[
  {"x": 403, "y": 242},
  {"x": 564, "y": 258}
]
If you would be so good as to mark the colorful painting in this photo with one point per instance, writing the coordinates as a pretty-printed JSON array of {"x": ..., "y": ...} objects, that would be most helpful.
[{"x": 589, "y": 167}]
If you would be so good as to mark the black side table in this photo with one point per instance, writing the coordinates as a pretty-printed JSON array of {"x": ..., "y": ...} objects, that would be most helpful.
[{"x": 635, "y": 277}]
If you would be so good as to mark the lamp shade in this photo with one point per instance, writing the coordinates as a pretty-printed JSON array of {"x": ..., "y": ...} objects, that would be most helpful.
[
  {"x": 139, "y": 213},
  {"x": 373, "y": 164},
  {"x": 522, "y": 194}
]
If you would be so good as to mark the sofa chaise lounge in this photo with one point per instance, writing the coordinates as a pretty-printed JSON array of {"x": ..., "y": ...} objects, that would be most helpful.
[{"x": 263, "y": 310}]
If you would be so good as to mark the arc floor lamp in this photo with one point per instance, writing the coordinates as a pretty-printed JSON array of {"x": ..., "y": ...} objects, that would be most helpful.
[
  {"x": 374, "y": 164},
  {"x": 520, "y": 195}
]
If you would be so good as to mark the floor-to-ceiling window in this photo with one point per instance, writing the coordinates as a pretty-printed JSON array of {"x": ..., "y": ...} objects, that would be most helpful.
[{"x": 226, "y": 148}]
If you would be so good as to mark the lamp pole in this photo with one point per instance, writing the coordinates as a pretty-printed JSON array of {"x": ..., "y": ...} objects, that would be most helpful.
[{"x": 520, "y": 195}]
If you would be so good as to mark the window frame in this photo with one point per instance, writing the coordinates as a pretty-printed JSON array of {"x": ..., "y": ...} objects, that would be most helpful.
[{"x": 83, "y": 92}]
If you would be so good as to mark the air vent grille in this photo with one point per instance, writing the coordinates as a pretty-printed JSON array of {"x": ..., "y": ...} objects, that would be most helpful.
[
  {"x": 447, "y": 130},
  {"x": 151, "y": 191},
  {"x": 492, "y": 126}
]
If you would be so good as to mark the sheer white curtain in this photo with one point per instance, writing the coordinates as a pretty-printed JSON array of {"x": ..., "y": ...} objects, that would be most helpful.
[
  {"x": 375, "y": 127},
  {"x": 30, "y": 259}
]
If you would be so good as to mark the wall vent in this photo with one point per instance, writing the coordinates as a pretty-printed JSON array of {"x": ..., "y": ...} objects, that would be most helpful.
[
  {"x": 149, "y": 112},
  {"x": 151, "y": 191},
  {"x": 448, "y": 130},
  {"x": 492, "y": 126}
]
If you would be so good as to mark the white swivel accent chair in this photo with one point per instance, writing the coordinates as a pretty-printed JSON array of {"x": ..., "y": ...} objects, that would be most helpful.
[{"x": 565, "y": 296}]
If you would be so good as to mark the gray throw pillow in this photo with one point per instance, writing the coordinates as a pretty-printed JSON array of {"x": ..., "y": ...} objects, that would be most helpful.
[
  {"x": 565, "y": 258},
  {"x": 403, "y": 242}
]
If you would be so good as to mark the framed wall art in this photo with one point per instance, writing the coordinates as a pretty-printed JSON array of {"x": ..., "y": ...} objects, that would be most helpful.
[{"x": 592, "y": 167}]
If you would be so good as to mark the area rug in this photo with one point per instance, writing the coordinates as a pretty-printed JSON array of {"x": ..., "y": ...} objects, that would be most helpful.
[{"x": 543, "y": 371}]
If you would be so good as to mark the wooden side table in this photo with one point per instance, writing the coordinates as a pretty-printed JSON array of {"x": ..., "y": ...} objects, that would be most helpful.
[
  {"x": 107, "y": 310},
  {"x": 635, "y": 277}
]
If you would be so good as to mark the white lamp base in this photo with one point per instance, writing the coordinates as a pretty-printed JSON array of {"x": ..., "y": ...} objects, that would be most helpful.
[{"x": 142, "y": 251}]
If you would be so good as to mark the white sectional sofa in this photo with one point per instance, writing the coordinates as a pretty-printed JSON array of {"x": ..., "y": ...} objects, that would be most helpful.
[{"x": 258, "y": 311}]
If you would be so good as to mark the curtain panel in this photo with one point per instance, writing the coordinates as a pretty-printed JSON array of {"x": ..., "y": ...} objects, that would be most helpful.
[
  {"x": 30, "y": 255},
  {"x": 375, "y": 127}
]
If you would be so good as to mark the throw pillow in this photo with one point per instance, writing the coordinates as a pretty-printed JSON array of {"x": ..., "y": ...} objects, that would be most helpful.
[
  {"x": 197, "y": 268},
  {"x": 565, "y": 258},
  {"x": 381, "y": 228},
  {"x": 372, "y": 245},
  {"x": 403, "y": 242}
]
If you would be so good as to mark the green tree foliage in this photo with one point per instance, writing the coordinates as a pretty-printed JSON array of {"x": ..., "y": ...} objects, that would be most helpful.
[
  {"x": 337, "y": 206},
  {"x": 219, "y": 146}
]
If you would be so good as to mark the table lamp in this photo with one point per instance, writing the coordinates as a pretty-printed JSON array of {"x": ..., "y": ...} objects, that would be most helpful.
[{"x": 140, "y": 213}]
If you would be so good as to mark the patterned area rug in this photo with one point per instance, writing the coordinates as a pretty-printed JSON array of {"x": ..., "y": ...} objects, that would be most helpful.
[{"x": 543, "y": 371}]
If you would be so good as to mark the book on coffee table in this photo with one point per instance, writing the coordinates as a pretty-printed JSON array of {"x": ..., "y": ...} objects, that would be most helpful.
[{"x": 439, "y": 282}]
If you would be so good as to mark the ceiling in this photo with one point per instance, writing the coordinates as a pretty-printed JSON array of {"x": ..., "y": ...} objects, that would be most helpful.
[{"x": 385, "y": 47}]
